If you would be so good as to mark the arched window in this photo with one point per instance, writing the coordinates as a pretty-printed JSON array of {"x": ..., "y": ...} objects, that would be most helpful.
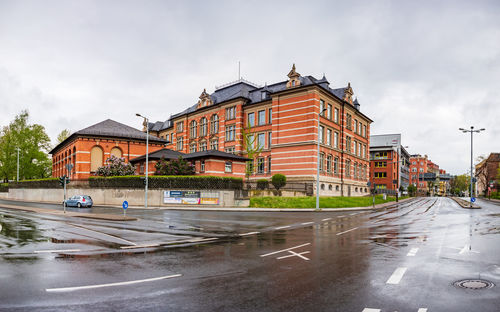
[
  {"x": 116, "y": 151},
  {"x": 192, "y": 129},
  {"x": 203, "y": 126},
  {"x": 96, "y": 158},
  {"x": 214, "y": 124}
]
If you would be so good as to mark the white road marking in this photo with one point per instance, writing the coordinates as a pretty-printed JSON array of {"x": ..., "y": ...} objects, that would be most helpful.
[
  {"x": 396, "y": 276},
  {"x": 306, "y": 223},
  {"x": 370, "y": 310},
  {"x": 353, "y": 214},
  {"x": 422, "y": 310},
  {"x": 249, "y": 233},
  {"x": 326, "y": 219},
  {"x": 282, "y": 227},
  {"x": 466, "y": 249},
  {"x": 293, "y": 254},
  {"x": 67, "y": 289},
  {"x": 139, "y": 246},
  {"x": 347, "y": 231},
  {"x": 55, "y": 250},
  {"x": 115, "y": 237},
  {"x": 340, "y": 216},
  {"x": 275, "y": 252},
  {"x": 412, "y": 252}
]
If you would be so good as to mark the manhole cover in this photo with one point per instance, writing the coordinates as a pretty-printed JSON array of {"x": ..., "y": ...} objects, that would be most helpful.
[{"x": 474, "y": 284}]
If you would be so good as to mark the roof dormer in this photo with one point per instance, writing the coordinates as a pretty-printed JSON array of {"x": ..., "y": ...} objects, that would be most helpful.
[
  {"x": 293, "y": 78},
  {"x": 205, "y": 99}
]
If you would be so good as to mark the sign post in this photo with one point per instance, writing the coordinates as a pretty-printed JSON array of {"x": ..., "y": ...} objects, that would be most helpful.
[
  {"x": 68, "y": 167},
  {"x": 125, "y": 206}
]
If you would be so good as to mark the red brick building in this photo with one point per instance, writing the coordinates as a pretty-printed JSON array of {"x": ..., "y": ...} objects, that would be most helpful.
[
  {"x": 418, "y": 167},
  {"x": 88, "y": 149},
  {"x": 486, "y": 174},
  {"x": 282, "y": 119}
]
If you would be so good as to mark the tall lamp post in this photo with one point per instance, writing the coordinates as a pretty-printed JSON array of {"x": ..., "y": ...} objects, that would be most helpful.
[
  {"x": 471, "y": 155},
  {"x": 146, "y": 124},
  {"x": 317, "y": 169},
  {"x": 18, "y": 149}
]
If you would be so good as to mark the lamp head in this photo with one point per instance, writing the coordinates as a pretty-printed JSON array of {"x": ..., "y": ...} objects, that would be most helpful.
[
  {"x": 482, "y": 129},
  {"x": 138, "y": 115},
  {"x": 461, "y": 129}
]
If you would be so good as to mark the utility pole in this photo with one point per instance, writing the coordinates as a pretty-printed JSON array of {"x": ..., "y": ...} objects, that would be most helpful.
[
  {"x": 18, "y": 149},
  {"x": 146, "y": 124}
]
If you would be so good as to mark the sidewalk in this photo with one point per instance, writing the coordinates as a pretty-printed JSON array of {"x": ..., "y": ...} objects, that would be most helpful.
[{"x": 97, "y": 216}]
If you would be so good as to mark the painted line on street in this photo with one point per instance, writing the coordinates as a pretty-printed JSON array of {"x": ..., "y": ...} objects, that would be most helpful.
[
  {"x": 347, "y": 231},
  {"x": 291, "y": 248},
  {"x": 55, "y": 250},
  {"x": 422, "y": 310},
  {"x": 295, "y": 254},
  {"x": 282, "y": 227},
  {"x": 68, "y": 289},
  {"x": 467, "y": 248},
  {"x": 249, "y": 233},
  {"x": 412, "y": 252},
  {"x": 326, "y": 219},
  {"x": 306, "y": 223},
  {"x": 370, "y": 310},
  {"x": 115, "y": 237},
  {"x": 396, "y": 276},
  {"x": 139, "y": 246}
]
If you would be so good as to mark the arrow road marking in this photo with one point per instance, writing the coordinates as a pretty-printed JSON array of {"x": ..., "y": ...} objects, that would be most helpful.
[{"x": 67, "y": 289}]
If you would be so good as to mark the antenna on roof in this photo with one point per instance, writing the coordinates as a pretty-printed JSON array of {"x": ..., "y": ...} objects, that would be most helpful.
[{"x": 239, "y": 70}]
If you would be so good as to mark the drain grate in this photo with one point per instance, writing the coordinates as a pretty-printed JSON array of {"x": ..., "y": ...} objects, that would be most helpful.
[{"x": 474, "y": 284}]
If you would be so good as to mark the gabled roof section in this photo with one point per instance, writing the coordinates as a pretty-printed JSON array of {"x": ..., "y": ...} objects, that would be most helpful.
[
  {"x": 110, "y": 129},
  {"x": 213, "y": 153},
  {"x": 163, "y": 153}
]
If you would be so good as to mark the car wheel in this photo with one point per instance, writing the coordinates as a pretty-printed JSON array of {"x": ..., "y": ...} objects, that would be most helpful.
[{"x": 79, "y": 205}]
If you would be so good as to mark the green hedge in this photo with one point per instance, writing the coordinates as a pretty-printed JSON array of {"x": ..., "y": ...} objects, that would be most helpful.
[
  {"x": 168, "y": 182},
  {"x": 4, "y": 187},
  {"x": 36, "y": 183}
]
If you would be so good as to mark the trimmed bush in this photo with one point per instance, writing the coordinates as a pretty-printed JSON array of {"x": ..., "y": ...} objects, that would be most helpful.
[
  {"x": 278, "y": 181},
  {"x": 115, "y": 167},
  {"x": 4, "y": 187},
  {"x": 262, "y": 184},
  {"x": 168, "y": 182},
  {"x": 36, "y": 183}
]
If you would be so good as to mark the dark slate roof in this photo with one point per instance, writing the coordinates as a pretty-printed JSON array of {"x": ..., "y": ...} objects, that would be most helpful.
[
  {"x": 163, "y": 153},
  {"x": 110, "y": 129},
  {"x": 212, "y": 153},
  {"x": 253, "y": 95}
]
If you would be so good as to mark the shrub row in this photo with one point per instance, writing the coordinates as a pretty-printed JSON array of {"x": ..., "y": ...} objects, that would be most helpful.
[
  {"x": 168, "y": 182},
  {"x": 4, "y": 187},
  {"x": 37, "y": 183}
]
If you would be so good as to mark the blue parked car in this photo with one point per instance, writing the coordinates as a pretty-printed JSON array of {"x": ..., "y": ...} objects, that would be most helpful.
[{"x": 79, "y": 201}]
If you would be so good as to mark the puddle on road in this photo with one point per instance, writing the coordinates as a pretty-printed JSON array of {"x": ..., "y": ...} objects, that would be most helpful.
[{"x": 18, "y": 232}]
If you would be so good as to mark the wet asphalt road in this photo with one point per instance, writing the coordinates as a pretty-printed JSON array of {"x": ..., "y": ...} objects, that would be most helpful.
[{"x": 404, "y": 258}]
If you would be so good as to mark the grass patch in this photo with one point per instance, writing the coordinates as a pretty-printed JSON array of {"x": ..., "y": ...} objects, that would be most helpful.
[{"x": 324, "y": 202}]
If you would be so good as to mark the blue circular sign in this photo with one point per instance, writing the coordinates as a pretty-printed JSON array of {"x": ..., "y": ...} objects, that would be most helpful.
[
  {"x": 125, "y": 205},
  {"x": 472, "y": 199}
]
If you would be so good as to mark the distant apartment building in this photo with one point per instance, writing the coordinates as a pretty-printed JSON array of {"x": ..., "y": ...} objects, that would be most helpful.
[
  {"x": 281, "y": 120},
  {"x": 486, "y": 174},
  {"x": 389, "y": 162},
  {"x": 418, "y": 168}
]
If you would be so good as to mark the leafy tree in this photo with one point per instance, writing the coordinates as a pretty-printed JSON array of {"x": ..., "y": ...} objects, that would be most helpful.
[
  {"x": 174, "y": 167},
  {"x": 115, "y": 167},
  {"x": 459, "y": 184},
  {"x": 63, "y": 135},
  {"x": 412, "y": 190},
  {"x": 251, "y": 149},
  {"x": 33, "y": 144}
]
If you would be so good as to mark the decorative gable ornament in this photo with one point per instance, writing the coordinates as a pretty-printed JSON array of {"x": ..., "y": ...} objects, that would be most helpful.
[
  {"x": 294, "y": 78},
  {"x": 205, "y": 99},
  {"x": 348, "y": 93}
]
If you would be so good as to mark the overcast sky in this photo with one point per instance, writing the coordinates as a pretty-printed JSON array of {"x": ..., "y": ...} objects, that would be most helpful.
[{"x": 422, "y": 69}]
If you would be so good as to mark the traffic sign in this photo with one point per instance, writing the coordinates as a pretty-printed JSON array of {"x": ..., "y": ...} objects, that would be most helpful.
[
  {"x": 472, "y": 199},
  {"x": 125, "y": 205}
]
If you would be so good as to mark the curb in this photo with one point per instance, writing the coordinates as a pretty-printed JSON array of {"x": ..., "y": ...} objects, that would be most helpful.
[
  {"x": 97, "y": 216},
  {"x": 465, "y": 204}
]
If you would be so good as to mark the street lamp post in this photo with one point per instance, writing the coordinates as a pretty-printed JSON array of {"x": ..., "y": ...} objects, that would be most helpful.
[
  {"x": 317, "y": 169},
  {"x": 471, "y": 154},
  {"x": 18, "y": 149},
  {"x": 146, "y": 124}
]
